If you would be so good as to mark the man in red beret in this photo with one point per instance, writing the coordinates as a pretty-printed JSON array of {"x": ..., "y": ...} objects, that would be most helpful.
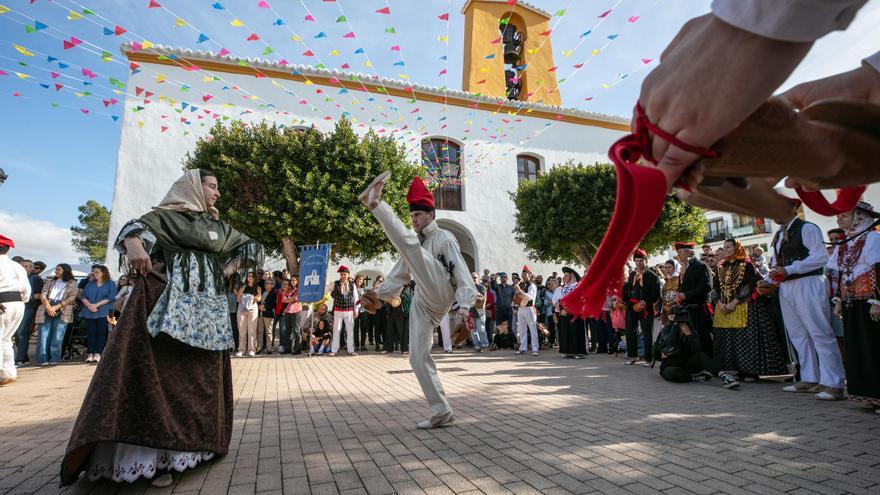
[
  {"x": 430, "y": 256},
  {"x": 526, "y": 321},
  {"x": 640, "y": 293},
  {"x": 14, "y": 290},
  {"x": 345, "y": 298}
]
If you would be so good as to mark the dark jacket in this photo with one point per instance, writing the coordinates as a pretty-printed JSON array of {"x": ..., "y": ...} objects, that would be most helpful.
[
  {"x": 648, "y": 291},
  {"x": 696, "y": 284}
]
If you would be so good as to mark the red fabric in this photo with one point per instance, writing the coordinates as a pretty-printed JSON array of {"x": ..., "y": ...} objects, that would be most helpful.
[
  {"x": 6, "y": 242},
  {"x": 847, "y": 199},
  {"x": 689, "y": 245},
  {"x": 527, "y": 269},
  {"x": 641, "y": 192},
  {"x": 418, "y": 194},
  {"x": 640, "y": 254},
  {"x": 343, "y": 269}
]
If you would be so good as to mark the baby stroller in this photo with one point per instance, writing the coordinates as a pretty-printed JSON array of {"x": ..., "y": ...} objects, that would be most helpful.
[{"x": 75, "y": 345}]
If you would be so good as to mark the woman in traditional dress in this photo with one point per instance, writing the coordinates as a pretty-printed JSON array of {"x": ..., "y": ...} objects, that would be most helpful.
[
  {"x": 161, "y": 398},
  {"x": 857, "y": 301},
  {"x": 744, "y": 338},
  {"x": 672, "y": 271},
  {"x": 572, "y": 332}
]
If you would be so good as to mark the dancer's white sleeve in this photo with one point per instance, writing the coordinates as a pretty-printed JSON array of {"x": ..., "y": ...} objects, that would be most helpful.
[{"x": 788, "y": 20}]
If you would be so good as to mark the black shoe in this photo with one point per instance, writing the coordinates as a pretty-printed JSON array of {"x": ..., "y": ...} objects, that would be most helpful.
[
  {"x": 700, "y": 377},
  {"x": 728, "y": 381}
]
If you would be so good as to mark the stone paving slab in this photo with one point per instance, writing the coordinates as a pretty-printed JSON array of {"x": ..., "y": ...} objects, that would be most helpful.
[{"x": 523, "y": 425}]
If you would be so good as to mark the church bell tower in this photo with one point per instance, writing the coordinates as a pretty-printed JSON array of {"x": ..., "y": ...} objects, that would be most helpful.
[{"x": 507, "y": 52}]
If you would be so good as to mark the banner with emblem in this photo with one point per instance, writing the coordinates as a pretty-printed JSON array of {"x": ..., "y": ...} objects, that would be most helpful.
[{"x": 314, "y": 260}]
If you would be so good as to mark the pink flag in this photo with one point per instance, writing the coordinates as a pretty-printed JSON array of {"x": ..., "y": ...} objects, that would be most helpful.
[
  {"x": 224, "y": 52},
  {"x": 349, "y": 34},
  {"x": 310, "y": 18},
  {"x": 604, "y": 14},
  {"x": 395, "y": 48},
  {"x": 263, "y": 4},
  {"x": 384, "y": 10}
]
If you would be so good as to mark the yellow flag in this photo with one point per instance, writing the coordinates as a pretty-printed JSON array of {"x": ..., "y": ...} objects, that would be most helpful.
[
  {"x": 484, "y": 69},
  {"x": 73, "y": 16},
  {"x": 295, "y": 38},
  {"x": 146, "y": 45},
  {"x": 532, "y": 51},
  {"x": 568, "y": 53},
  {"x": 443, "y": 39},
  {"x": 22, "y": 76},
  {"x": 308, "y": 82},
  {"x": 207, "y": 79},
  {"x": 403, "y": 76},
  {"x": 179, "y": 22},
  {"x": 368, "y": 64},
  {"x": 140, "y": 123},
  {"x": 236, "y": 23},
  {"x": 23, "y": 50},
  {"x": 595, "y": 52},
  {"x": 604, "y": 86},
  {"x": 4, "y": 9},
  {"x": 160, "y": 78},
  {"x": 334, "y": 52}
]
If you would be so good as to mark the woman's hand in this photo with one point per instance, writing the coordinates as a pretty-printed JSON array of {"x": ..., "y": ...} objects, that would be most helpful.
[
  {"x": 51, "y": 312},
  {"x": 138, "y": 259},
  {"x": 838, "y": 309},
  {"x": 875, "y": 312}
]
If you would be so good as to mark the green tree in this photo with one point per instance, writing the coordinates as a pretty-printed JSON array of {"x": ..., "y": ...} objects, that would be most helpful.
[
  {"x": 562, "y": 216},
  {"x": 288, "y": 186},
  {"x": 90, "y": 236}
]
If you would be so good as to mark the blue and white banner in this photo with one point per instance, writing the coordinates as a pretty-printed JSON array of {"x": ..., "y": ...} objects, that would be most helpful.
[{"x": 313, "y": 262}]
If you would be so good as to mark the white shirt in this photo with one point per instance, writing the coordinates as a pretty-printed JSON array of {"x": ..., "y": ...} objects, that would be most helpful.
[
  {"x": 870, "y": 256},
  {"x": 56, "y": 293},
  {"x": 812, "y": 240},
  {"x": 788, "y": 20},
  {"x": 13, "y": 278}
]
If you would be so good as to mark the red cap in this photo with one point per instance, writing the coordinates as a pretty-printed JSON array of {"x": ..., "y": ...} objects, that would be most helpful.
[
  {"x": 684, "y": 245},
  {"x": 418, "y": 196},
  {"x": 6, "y": 242},
  {"x": 527, "y": 269},
  {"x": 640, "y": 254},
  {"x": 343, "y": 269}
]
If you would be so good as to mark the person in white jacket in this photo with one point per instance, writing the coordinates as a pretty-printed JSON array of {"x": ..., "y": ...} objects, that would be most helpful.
[
  {"x": 430, "y": 256},
  {"x": 14, "y": 290},
  {"x": 526, "y": 322}
]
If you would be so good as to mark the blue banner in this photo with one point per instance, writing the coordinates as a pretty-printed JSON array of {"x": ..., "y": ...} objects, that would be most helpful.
[{"x": 313, "y": 262}]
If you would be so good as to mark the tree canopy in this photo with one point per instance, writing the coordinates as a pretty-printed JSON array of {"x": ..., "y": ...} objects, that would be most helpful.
[
  {"x": 90, "y": 236},
  {"x": 562, "y": 216},
  {"x": 286, "y": 186}
]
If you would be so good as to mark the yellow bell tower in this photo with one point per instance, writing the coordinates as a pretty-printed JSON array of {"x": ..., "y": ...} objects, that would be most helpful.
[{"x": 507, "y": 52}]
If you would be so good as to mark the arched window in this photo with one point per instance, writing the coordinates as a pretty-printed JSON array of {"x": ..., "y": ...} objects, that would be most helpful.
[
  {"x": 527, "y": 168},
  {"x": 442, "y": 158}
]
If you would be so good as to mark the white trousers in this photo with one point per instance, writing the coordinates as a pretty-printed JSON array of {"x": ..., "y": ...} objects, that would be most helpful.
[
  {"x": 805, "y": 311},
  {"x": 445, "y": 333},
  {"x": 9, "y": 322},
  {"x": 432, "y": 299},
  {"x": 338, "y": 318},
  {"x": 526, "y": 324}
]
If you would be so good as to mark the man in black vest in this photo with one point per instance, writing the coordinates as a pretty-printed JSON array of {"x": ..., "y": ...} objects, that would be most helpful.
[
  {"x": 641, "y": 292},
  {"x": 693, "y": 293},
  {"x": 798, "y": 260}
]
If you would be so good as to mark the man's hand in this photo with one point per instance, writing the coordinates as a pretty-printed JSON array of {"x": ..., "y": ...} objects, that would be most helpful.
[
  {"x": 838, "y": 309},
  {"x": 138, "y": 259},
  {"x": 778, "y": 274},
  {"x": 680, "y": 298},
  {"x": 710, "y": 78},
  {"x": 861, "y": 84}
]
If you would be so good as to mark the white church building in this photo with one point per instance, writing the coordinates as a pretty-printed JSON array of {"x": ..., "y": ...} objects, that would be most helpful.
[{"x": 179, "y": 94}]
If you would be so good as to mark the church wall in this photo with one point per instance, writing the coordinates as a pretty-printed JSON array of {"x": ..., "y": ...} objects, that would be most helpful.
[{"x": 151, "y": 159}]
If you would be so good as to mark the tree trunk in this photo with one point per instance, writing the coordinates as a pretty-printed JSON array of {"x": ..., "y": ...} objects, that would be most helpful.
[
  {"x": 584, "y": 255},
  {"x": 289, "y": 251}
]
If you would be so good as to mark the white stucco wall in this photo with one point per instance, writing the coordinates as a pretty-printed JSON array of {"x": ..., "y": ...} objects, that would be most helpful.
[{"x": 150, "y": 160}]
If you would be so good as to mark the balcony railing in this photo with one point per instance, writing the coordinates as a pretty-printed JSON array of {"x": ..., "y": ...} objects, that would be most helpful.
[{"x": 716, "y": 236}]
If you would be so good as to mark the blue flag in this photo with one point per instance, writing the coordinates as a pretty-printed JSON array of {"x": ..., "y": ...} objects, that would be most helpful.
[{"x": 313, "y": 272}]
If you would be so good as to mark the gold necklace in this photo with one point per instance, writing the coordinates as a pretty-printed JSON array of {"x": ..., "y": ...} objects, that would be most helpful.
[{"x": 730, "y": 281}]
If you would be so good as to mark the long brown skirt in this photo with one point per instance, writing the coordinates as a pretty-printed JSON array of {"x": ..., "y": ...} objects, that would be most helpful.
[{"x": 152, "y": 392}]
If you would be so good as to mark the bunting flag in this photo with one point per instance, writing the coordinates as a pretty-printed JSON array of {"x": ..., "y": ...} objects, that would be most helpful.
[
  {"x": 74, "y": 16},
  {"x": 384, "y": 10},
  {"x": 24, "y": 51},
  {"x": 309, "y": 18},
  {"x": 604, "y": 14},
  {"x": 153, "y": 5},
  {"x": 217, "y": 5},
  {"x": 236, "y": 23},
  {"x": 179, "y": 22},
  {"x": 341, "y": 19},
  {"x": 253, "y": 37},
  {"x": 4, "y": 9},
  {"x": 263, "y": 4},
  {"x": 202, "y": 38},
  {"x": 444, "y": 17}
]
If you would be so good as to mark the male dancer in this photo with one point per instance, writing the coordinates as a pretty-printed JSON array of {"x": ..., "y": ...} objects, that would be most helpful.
[
  {"x": 14, "y": 290},
  {"x": 430, "y": 256}
]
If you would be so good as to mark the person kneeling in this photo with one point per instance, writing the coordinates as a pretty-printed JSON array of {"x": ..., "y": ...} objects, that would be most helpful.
[{"x": 682, "y": 359}]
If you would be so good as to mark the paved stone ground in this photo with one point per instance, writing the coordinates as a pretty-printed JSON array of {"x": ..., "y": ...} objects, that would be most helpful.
[{"x": 524, "y": 425}]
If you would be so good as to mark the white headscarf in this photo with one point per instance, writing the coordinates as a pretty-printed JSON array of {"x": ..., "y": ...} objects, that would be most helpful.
[
  {"x": 676, "y": 272},
  {"x": 186, "y": 195},
  {"x": 862, "y": 219}
]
